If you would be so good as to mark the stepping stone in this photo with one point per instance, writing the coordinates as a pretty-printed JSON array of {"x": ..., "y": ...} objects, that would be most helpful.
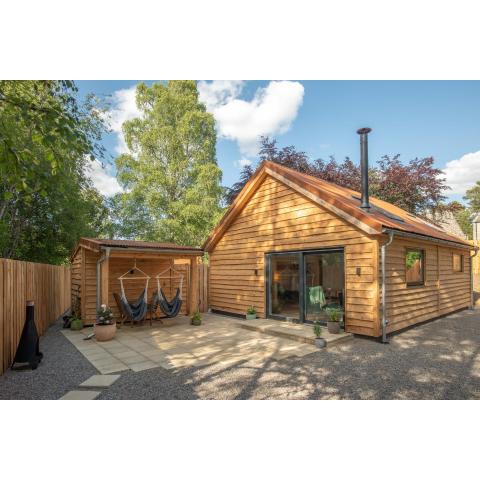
[
  {"x": 100, "y": 381},
  {"x": 80, "y": 395}
]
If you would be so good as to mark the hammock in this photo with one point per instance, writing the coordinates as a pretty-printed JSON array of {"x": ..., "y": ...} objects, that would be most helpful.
[
  {"x": 172, "y": 307},
  {"x": 136, "y": 310}
]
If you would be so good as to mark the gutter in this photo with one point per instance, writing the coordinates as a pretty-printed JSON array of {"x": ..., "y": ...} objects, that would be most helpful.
[
  {"x": 471, "y": 277},
  {"x": 417, "y": 236},
  {"x": 104, "y": 257},
  {"x": 384, "y": 293}
]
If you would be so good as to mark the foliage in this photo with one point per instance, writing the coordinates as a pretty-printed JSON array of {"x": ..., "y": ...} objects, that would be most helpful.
[
  {"x": 317, "y": 329},
  {"x": 76, "y": 323},
  {"x": 334, "y": 314},
  {"x": 251, "y": 310},
  {"x": 104, "y": 315},
  {"x": 196, "y": 318},
  {"x": 245, "y": 175},
  {"x": 47, "y": 140},
  {"x": 472, "y": 196},
  {"x": 171, "y": 176},
  {"x": 415, "y": 186},
  {"x": 412, "y": 257}
]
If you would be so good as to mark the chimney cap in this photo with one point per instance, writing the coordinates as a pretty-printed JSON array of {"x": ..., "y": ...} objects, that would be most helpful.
[{"x": 361, "y": 131}]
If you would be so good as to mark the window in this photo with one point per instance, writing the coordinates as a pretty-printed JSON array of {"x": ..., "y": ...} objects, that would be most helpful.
[
  {"x": 457, "y": 260},
  {"x": 414, "y": 264}
]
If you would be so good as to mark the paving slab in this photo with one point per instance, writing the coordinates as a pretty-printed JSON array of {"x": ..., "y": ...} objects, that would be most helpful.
[
  {"x": 81, "y": 395},
  {"x": 100, "y": 381}
]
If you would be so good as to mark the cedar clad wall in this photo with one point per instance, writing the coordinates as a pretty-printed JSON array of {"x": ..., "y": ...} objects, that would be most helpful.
[
  {"x": 152, "y": 267},
  {"x": 76, "y": 279},
  {"x": 277, "y": 218},
  {"x": 444, "y": 290},
  {"x": 84, "y": 281}
]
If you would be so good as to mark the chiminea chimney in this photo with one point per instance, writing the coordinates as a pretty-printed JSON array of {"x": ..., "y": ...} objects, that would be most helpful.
[{"x": 363, "y": 132}]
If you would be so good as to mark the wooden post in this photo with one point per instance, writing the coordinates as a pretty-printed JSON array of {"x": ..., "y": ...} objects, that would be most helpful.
[
  {"x": 105, "y": 278},
  {"x": 193, "y": 285}
]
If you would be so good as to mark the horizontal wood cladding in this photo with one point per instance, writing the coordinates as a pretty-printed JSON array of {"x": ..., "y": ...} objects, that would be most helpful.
[
  {"x": 86, "y": 278},
  {"x": 276, "y": 218},
  {"x": 444, "y": 290}
]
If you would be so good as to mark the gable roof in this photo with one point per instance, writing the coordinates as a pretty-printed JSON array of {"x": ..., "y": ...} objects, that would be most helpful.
[{"x": 339, "y": 200}]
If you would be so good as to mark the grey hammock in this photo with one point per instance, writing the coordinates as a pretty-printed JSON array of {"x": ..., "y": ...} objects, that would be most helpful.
[
  {"x": 134, "y": 311},
  {"x": 170, "y": 309}
]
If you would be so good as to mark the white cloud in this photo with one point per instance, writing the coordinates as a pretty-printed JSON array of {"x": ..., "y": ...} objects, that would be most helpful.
[
  {"x": 124, "y": 108},
  {"x": 103, "y": 178},
  {"x": 270, "y": 112},
  {"x": 243, "y": 162},
  {"x": 462, "y": 174}
]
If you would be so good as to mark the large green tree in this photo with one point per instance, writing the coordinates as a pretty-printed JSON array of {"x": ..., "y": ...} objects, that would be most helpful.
[
  {"x": 47, "y": 139},
  {"x": 170, "y": 175}
]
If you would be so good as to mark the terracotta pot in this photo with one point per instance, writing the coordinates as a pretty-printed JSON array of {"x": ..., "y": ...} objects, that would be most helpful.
[
  {"x": 333, "y": 327},
  {"x": 104, "y": 333}
]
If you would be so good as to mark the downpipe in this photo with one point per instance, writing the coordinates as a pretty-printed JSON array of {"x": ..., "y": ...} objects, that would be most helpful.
[
  {"x": 99, "y": 263},
  {"x": 384, "y": 293},
  {"x": 472, "y": 303}
]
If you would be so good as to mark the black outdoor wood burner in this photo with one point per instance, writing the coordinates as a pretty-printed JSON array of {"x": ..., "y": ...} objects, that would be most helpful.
[{"x": 28, "y": 351}]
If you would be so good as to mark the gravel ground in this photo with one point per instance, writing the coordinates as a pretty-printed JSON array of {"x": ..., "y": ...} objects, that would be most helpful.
[
  {"x": 438, "y": 360},
  {"x": 62, "y": 369}
]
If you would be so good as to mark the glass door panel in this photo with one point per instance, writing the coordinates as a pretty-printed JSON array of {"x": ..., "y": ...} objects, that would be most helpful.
[
  {"x": 324, "y": 284},
  {"x": 285, "y": 286}
]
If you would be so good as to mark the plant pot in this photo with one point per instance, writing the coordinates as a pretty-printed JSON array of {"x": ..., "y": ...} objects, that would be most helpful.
[
  {"x": 76, "y": 325},
  {"x": 251, "y": 316},
  {"x": 320, "y": 343},
  {"x": 104, "y": 333},
  {"x": 333, "y": 327},
  {"x": 197, "y": 323}
]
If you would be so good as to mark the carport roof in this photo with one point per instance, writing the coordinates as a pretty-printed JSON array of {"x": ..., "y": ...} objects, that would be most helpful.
[{"x": 96, "y": 244}]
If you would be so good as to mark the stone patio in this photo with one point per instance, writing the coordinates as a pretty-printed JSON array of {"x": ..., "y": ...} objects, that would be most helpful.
[{"x": 176, "y": 343}]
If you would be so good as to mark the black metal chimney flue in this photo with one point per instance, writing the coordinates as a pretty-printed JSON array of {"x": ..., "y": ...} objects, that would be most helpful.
[{"x": 363, "y": 132}]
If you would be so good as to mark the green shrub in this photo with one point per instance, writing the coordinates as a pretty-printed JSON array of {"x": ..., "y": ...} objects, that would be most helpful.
[
  {"x": 317, "y": 329},
  {"x": 196, "y": 318},
  {"x": 334, "y": 314},
  {"x": 76, "y": 323},
  {"x": 251, "y": 310}
]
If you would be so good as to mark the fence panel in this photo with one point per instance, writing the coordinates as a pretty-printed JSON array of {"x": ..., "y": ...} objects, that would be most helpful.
[{"x": 47, "y": 285}]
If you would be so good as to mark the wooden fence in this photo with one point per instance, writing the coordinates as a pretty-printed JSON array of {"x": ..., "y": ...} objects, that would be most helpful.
[{"x": 47, "y": 285}]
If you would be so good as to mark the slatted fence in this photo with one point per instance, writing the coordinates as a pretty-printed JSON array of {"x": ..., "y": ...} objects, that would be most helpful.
[{"x": 47, "y": 285}]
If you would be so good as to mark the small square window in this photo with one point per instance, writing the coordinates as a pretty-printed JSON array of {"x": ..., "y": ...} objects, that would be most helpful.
[
  {"x": 457, "y": 261},
  {"x": 415, "y": 267}
]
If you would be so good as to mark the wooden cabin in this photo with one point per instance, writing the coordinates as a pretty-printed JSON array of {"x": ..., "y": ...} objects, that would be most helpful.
[
  {"x": 293, "y": 245},
  {"x": 97, "y": 265}
]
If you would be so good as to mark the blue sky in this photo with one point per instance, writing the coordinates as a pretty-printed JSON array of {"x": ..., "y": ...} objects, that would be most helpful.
[{"x": 413, "y": 118}]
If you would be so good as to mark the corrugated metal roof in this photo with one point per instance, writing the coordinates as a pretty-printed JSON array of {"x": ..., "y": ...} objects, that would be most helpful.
[
  {"x": 385, "y": 214},
  {"x": 381, "y": 216},
  {"x": 102, "y": 242}
]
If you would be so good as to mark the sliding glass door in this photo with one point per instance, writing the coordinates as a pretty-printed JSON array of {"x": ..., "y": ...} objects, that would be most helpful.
[
  {"x": 285, "y": 286},
  {"x": 324, "y": 284},
  {"x": 301, "y": 285}
]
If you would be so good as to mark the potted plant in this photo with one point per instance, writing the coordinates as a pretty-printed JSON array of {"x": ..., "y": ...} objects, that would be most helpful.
[
  {"x": 76, "y": 323},
  {"x": 251, "y": 313},
  {"x": 105, "y": 327},
  {"x": 196, "y": 319},
  {"x": 317, "y": 330},
  {"x": 334, "y": 317}
]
